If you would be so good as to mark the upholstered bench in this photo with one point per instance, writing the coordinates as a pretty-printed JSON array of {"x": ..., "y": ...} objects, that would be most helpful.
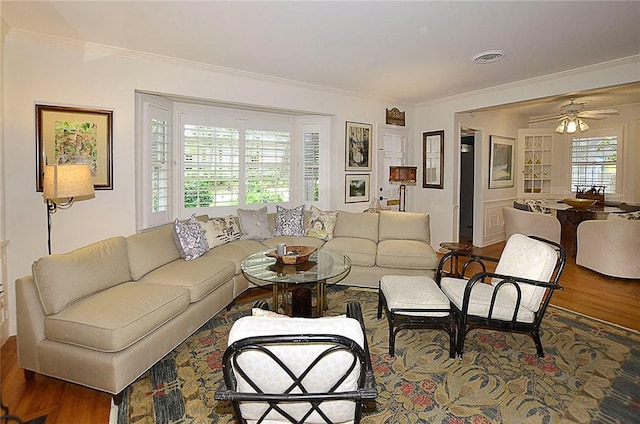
[{"x": 415, "y": 302}]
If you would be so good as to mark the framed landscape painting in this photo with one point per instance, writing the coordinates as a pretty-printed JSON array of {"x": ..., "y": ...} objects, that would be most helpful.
[
  {"x": 358, "y": 148},
  {"x": 501, "y": 161},
  {"x": 356, "y": 188},
  {"x": 69, "y": 135}
]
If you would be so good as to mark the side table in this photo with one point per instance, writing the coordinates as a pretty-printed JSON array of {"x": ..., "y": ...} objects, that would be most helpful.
[{"x": 455, "y": 247}]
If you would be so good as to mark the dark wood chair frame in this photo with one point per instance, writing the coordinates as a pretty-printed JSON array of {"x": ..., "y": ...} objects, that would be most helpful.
[
  {"x": 466, "y": 322},
  {"x": 366, "y": 382},
  {"x": 399, "y": 320}
]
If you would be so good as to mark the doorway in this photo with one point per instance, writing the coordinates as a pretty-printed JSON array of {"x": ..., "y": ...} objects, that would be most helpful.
[{"x": 467, "y": 185}]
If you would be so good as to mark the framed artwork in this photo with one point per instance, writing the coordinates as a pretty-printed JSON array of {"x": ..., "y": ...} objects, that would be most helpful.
[
  {"x": 69, "y": 135},
  {"x": 433, "y": 159},
  {"x": 501, "y": 160},
  {"x": 358, "y": 146},
  {"x": 356, "y": 188}
]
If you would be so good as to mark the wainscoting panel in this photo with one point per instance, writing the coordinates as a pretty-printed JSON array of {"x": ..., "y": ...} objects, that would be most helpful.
[{"x": 493, "y": 221}]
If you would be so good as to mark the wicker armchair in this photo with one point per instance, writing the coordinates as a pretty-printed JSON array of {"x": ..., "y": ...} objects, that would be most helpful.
[
  {"x": 294, "y": 370},
  {"x": 514, "y": 297}
]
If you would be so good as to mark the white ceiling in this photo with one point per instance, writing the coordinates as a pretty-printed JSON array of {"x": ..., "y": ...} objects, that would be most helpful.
[{"x": 409, "y": 51}]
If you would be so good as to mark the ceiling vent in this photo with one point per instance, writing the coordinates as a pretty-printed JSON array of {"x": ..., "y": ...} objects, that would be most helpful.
[{"x": 489, "y": 56}]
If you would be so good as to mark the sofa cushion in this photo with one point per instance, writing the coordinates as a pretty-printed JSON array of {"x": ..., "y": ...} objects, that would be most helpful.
[
  {"x": 61, "y": 279},
  {"x": 254, "y": 224},
  {"x": 289, "y": 222},
  {"x": 292, "y": 241},
  {"x": 321, "y": 223},
  {"x": 150, "y": 250},
  {"x": 200, "y": 276},
  {"x": 359, "y": 225},
  {"x": 404, "y": 226},
  {"x": 115, "y": 318},
  {"x": 361, "y": 251},
  {"x": 409, "y": 254},
  {"x": 219, "y": 231},
  {"x": 190, "y": 239},
  {"x": 237, "y": 251},
  {"x": 630, "y": 216}
]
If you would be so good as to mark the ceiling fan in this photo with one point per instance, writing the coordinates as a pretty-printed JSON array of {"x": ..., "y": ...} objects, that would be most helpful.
[{"x": 572, "y": 116}]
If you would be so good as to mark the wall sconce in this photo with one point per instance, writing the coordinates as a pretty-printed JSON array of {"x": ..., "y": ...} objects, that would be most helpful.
[
  {"x": 403, "y": 175},
  {"x": 61, "y": 184}
]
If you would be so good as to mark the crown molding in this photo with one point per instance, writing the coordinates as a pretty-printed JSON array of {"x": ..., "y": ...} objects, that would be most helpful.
[{"x": 140, "y": 55}]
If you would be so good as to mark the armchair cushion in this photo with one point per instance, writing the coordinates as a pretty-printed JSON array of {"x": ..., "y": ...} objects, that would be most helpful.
[
  {"x": 481, "y": 300},
  {"x": 527, "y": 258},
  {"x": 271, "y": 378}
]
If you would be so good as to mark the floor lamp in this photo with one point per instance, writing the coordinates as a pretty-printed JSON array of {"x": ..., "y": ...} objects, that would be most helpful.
[
  {"x": 403, "y": 175},
  {"x": 61, "y": 185}
]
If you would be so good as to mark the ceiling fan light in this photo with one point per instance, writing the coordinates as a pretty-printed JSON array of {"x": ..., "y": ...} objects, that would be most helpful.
[
  {"x": 561, "y": 126},
  {"x": 571, "y": 127},
  {"x": 582, "y": 125}
]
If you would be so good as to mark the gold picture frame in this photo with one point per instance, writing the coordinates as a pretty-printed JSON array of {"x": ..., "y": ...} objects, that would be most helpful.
[{"x": 66, "y": 135}]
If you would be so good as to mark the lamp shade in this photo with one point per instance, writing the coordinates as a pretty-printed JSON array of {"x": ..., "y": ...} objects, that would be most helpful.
[
  {"x": 403, "y": 174},
  {"x": 67, "y": 181}
]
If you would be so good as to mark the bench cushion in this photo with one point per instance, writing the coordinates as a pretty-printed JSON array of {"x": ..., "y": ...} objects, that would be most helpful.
[
  {"x": 414, "y": 292},
  {"x": 115, "y": 318}
]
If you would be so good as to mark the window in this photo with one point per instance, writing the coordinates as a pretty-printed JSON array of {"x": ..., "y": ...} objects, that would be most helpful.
[
  {"x": 194, "y": 158},
  {"x": 211, "y": 166},
  {"x": 595, "y": 160}
]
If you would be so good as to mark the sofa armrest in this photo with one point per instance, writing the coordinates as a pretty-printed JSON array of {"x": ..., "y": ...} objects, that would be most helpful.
[{"x": 30, "y": 323}]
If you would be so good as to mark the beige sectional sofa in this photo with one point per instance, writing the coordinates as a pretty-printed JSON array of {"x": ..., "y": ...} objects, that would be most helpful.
[{"x": 101, "y": 315}]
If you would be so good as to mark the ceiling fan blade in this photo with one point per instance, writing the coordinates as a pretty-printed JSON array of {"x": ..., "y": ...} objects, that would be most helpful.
[
  {"x": 541, "y": 118},
  {"x": 601, "y": 111},
  {"x": 591, "y": 116}
]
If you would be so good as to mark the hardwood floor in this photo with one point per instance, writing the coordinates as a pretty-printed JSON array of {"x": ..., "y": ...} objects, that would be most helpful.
[{"x": 586, "y": 292}]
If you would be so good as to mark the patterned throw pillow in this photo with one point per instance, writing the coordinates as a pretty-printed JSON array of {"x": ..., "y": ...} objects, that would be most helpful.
[
  {"x": 289, "y": 222},
  {"x": 321, "y": 223},
  {"x": 254, "y": 224},
  {"x": 221, "y": 230},
  {"x": 258, "y": 312},
  {"x": 632, "y": 216},
  {"x": 189, "y": 238}
]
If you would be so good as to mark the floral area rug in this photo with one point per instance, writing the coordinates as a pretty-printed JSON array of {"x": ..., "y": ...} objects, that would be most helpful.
[{"x": 591, "y": 373}]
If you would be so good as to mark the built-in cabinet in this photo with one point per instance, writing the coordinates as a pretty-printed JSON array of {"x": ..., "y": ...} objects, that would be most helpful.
[{"x": 534, "y": 162}]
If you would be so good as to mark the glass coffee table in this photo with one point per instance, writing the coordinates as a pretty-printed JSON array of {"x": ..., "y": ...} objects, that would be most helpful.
[{"x": 323, "y": 267}]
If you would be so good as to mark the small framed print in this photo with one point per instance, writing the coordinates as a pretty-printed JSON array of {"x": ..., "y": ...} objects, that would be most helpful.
[
  {"x": 70, "y": 135},
  {"x": 501, "y": 160},
  {"x": 356, "y": 188},
  {"x": 358, "y": 146}
]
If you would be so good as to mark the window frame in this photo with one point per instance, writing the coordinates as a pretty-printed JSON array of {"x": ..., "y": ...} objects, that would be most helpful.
[
  {"x": 215, "y": 114},
  {"x": 621, "y": 170}
]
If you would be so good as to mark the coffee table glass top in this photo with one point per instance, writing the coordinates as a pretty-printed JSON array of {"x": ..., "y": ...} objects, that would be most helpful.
[{"x": 323, "y": 265}]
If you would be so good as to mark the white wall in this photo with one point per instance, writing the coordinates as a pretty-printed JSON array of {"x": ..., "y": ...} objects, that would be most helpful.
[
  {"x": 37, "y": 70},
  {"x": 439, "y": 115}
]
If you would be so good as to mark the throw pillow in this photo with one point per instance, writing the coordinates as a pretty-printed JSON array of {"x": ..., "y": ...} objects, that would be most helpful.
[
  {"x": 321, "y": 223},
  {"x": 257, "y": 312},
  {"x": 219, "y": 231},
  {"x": 289, "y": 222},
  {"x": 254, "y": 224},
  {"x": 632, "y": 216},
  {"x": 190, "y": 239}
]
